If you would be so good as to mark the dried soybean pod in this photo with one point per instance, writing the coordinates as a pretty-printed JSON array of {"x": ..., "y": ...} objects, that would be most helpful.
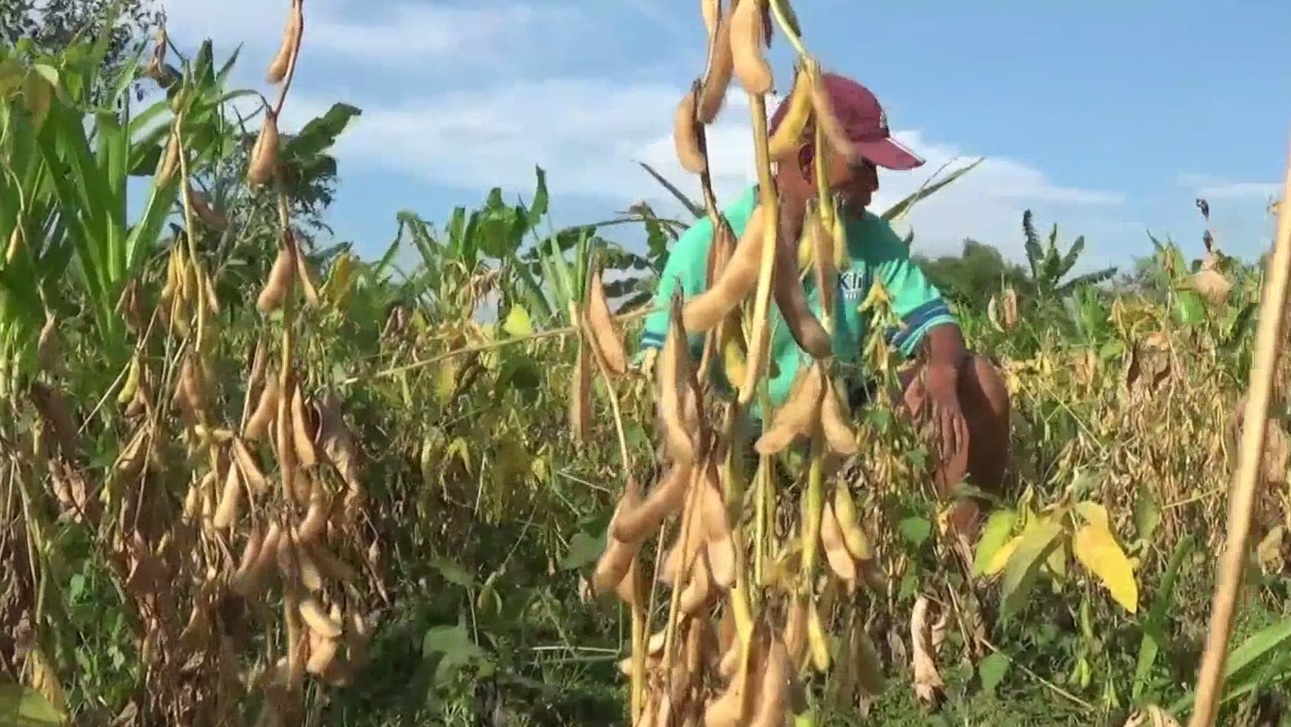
[
  {"x": 790, "y": 297},
  {"x": 683, "y": 551},
  {"x": 831, "y": 541},
  {"x": 797, "y": 416},
  {"x": 719, "y": 544},
  {"x": 318, "y": 620},
  {"x": 251, "y": 472},
  {"x": 616, "y": 560},
  {"x": 717, "y": 79},
  {"x": 169, "y": 160},
  {"x": 278, "y": 285},
  {"x": 580, "y": 395},
  {"x": 302, "y": 439},
  {"x": 735, "y": 282},
  {"x": 853, "y": 534},
  {"x": 628, "y": 590},
  {"x": 817, "y": 642},
  {"x": 674, "y": 385},
  {"x": 303, "y": 274},
  {"x": 291, "y": 33},
  {"x": 710, "y": 11},
  {"x": 795, "y": 630},
  {"x": 788, "y": 135},
  {"x": 314, "y": 524},
  {"x": 230, "y": 503},
  {"x": 685, "y": 134},
  {"x": 668, "y": 495},
  {"x": 604, "y": 332},
  {"x": 322, "y": 655},
  {"x": 244, "y": 580},
  {"x": 746, "y": 48},
  {"x": 695, "y": 596},
  {"x": 773, "y": 688},
  {"x": 330, "y": 565},
  {"x": 834, "y": 423},
  {"x": 265, "y": 411},
  {"x": 204, "y": 212},
  {"x": 264, "y": 155}
]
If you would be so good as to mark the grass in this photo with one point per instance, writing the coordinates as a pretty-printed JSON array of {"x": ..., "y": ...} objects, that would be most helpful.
[{"x": 466, "y": 518}]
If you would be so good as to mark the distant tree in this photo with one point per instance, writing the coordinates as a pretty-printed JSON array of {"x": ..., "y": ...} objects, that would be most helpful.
[
  {"x": 51, "y": 25},
  {"x": 973, "y": 276}
]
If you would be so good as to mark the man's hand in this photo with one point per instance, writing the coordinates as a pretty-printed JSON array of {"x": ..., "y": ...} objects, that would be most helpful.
[{"x": 941, "y": 381}]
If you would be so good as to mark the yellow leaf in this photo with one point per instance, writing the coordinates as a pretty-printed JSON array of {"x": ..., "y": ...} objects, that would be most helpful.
[
  {"x": 445, "y": 381},
  {"x": 518, "y": 323},
  {"x": 1094, "y": 514},
  {"x": 1001, "y": 557},
  {"x": 340, "y": 279},
  {"x": 999, "y": 526},
  {"x": 39, "y": 95},
  {"x": 1099, "y": 553},
  {"x": 1057, "y": 563}
]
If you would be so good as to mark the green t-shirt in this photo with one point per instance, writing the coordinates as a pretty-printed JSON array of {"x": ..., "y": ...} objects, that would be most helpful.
[{"x": 875, "y": 252}]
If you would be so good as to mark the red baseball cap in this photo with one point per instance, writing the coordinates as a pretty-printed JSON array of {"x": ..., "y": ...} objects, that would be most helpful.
[{"x": 864, "y": 122}]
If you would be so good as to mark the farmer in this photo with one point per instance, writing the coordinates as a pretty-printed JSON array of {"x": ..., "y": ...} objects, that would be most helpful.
[{"x": 953, "y": 394}]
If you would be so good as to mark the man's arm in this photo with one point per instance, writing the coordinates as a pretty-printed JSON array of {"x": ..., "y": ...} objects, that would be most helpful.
[{"x": 685, "y": 271}]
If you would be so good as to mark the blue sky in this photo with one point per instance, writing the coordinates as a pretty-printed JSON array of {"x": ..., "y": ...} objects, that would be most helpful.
[{"x": 1105, "y": 118}]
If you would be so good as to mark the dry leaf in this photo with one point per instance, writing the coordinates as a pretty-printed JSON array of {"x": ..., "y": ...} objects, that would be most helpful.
[
  {"x": 928, "y": 685},
  {"x": 1152, "y": 716},
  {"x": 601, "y": 322},
  {"x": 1211, "y": 285},
  {"x": 580, "y": 396}
]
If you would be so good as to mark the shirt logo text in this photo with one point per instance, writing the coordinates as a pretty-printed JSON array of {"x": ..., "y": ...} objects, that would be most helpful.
[{"x": 853, "y": 285}]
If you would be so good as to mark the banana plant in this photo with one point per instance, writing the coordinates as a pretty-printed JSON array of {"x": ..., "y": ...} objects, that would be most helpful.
[
  {"x": 74, "y": 240},
  {"x": 1050, "y": 266}
]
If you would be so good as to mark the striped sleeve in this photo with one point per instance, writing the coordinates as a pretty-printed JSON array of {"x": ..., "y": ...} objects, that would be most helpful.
[{"x": 914, "y": 298}]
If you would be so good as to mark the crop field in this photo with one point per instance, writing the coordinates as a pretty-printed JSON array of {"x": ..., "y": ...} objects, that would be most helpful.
[{"x": 254, "y": 479}]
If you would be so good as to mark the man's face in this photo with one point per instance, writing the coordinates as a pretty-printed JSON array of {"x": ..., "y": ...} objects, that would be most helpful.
[{"x": 854, "y": 181}]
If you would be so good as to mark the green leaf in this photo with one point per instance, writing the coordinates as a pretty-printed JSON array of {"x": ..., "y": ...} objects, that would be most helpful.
[
  {"x": 929, "y": 188},
  {"x": 22, "y": 707},
  {"x": 997, "y": 532},
  {"x": 1037, "y": 541},
  {"x": 695, "y": 208},
  {"x": 538, "y": 207},
  {"x": 584, "y": 549},
  {"x": 993, "y": 669},
  {"x": 916, "y": 529},
  {"x": 320, "y": 134},
  {"x": 1147, "y": 514},
  {"x": 454, "y": 647},
  {"x": 449, "y": 640},
  {"x": 521, "y": 374},
  {"x": 1188, "y": 308},
  {"x": 452, "y": 572}
]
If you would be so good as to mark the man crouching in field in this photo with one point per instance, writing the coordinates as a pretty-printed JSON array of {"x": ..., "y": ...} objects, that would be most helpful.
[{"x": 953, "y": 393}]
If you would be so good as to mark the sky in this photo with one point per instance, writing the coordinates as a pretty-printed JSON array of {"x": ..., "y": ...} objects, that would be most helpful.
[{"x": 1108, "y": 119}]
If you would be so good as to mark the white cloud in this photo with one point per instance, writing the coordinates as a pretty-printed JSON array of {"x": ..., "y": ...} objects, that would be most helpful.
[
  {"x": 1217, "y": 188},
  {"x": 415, "y": 37},
  {"x": 495, "y": 108},
  {"x": 589, "y": 133}
]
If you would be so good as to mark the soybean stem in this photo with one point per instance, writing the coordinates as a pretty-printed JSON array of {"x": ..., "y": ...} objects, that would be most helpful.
[{"x": 1241, "y": 499}]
